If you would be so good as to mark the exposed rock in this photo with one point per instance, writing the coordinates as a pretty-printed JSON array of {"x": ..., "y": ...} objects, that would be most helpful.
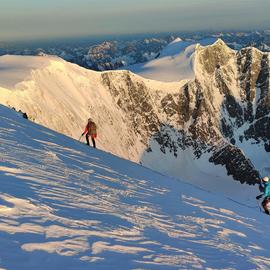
[{"x": 236, "y": 164}]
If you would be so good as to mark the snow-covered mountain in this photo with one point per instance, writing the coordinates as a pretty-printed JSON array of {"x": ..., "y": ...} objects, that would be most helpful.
[
  {"x": 110, "y": 55},
  {"x": 174, "y": 63},
  {"x": 66, "y": 206},
  {"x": 201, "y": 128},
  {"x": 107, "y": 54},
  {"x": 94, "y": 54}
]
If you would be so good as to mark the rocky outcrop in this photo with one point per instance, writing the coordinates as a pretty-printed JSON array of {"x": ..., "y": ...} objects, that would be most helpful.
[
  {"x": 230, "y": 91},
  {"x": 236, "y": 164}
]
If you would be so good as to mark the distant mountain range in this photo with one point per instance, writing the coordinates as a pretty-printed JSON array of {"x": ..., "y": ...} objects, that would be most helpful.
[{"x": 115, "y": 54}]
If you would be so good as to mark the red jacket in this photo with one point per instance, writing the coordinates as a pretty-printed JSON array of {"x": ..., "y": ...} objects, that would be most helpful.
[{"x": 91, "y": 129}]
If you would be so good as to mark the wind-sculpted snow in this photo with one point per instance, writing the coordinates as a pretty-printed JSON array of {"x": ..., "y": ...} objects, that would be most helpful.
[{"x": 65, "y": 205}]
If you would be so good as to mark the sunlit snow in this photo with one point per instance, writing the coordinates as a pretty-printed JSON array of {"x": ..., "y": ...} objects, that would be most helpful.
[{"x": 175, "y": 62}]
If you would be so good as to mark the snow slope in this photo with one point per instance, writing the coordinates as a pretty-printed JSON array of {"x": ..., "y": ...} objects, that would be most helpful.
[
  {"x": 66, "y": 206},
  {"x": 62, "y": 96},
  {"x": 175, "y": 62},
  {"x": 204, "y": 174}
]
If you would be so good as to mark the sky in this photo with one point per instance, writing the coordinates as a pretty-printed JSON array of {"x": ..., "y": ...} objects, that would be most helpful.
[{"x": 32, "y": 19}]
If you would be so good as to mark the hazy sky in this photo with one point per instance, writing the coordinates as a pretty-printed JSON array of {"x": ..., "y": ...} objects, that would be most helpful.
[{"x": 27, "y": 19}]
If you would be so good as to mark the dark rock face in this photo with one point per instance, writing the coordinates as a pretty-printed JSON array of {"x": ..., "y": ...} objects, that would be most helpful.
[
  {"x": 24, "y": 115},
  {"x": 249, "y": 71},
  {"x": 259, "y": 129},
  {"x": 236, "y": 164},
  {"x": 134, "y": 99}
]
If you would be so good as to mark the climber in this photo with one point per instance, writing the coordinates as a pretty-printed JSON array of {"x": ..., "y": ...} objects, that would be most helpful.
[
  {"x": 265, "y": 188},
  {"x": 90, "y": 130}
]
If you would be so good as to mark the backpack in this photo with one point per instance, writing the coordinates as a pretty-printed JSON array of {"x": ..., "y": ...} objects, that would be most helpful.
[
  {"x": 92, "y": 128},
  {"x": 266, "y": 202}
]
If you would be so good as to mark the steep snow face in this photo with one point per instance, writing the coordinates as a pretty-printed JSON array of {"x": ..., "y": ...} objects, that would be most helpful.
[
  {"x": 65, "y": 206},
  {"x": 174, "y": 63},
  {"x": 63, "y": 96}
]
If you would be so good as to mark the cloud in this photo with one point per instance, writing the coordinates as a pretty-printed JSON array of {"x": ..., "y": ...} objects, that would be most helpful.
[{"x": 68, "y": 18}]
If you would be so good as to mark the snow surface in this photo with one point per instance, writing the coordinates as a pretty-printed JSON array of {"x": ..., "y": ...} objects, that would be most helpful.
[
  {"x": 202, "y": 173},
  {"x": 64, "y": 205},
  {"x": 175, "y": 62}
]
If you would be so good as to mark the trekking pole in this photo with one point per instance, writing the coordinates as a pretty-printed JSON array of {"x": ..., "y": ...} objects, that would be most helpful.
[{"x": 80, "y": 138}]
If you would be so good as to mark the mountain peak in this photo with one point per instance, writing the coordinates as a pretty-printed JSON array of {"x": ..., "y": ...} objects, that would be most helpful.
[
  {"x": 178, "y": 39},
  {"x": 220, "y": 42},
  {"x": 217, "y": 43},
  {"x": 208, "y": 58}
]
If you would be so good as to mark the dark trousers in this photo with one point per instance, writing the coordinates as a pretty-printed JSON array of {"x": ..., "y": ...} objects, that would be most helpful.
[
  {"x": 264, "y": 205},
  {"x": 93, "y": 140}
]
